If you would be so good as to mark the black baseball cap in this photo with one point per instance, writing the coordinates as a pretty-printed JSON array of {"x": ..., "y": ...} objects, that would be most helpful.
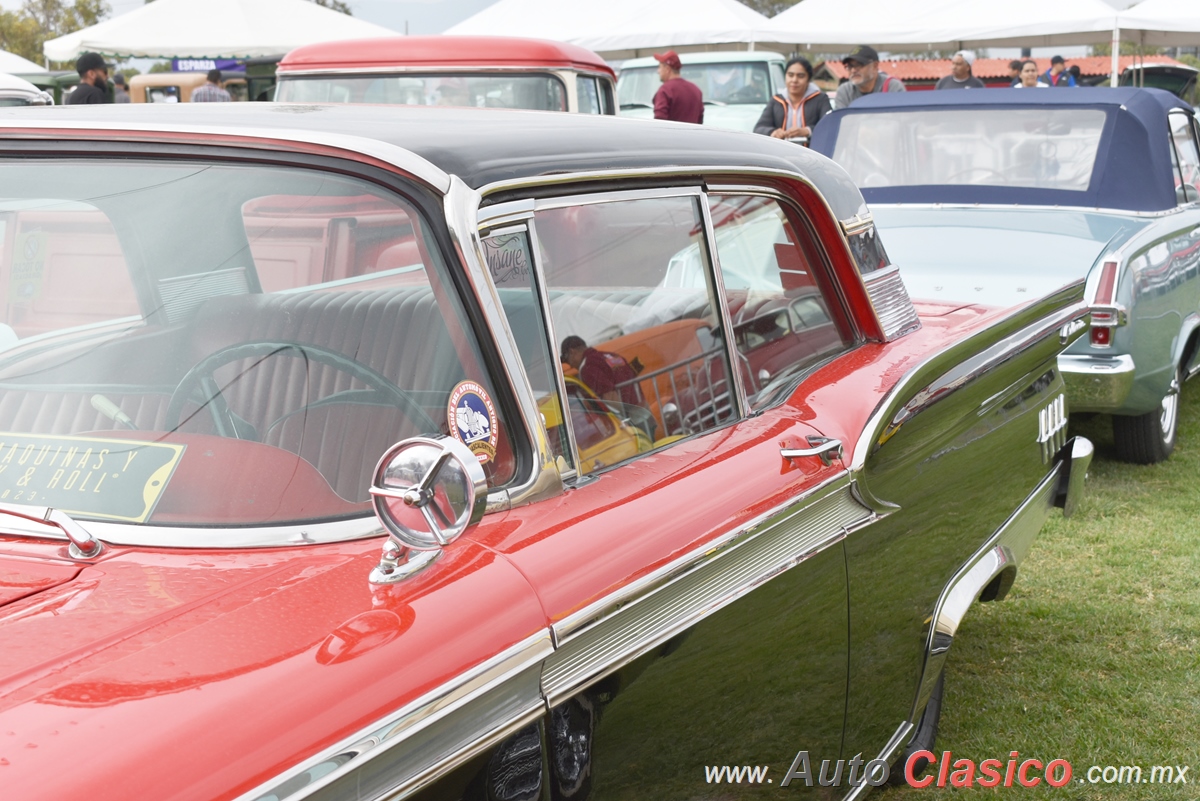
[
  {"x": 1057, "y": 60},
  {"x": 863, "y": 54},
  {"x": 90, "y": 61}
]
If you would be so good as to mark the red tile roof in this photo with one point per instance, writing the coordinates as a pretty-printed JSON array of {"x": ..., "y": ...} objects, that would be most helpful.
[{"x": 989, "y": 68}]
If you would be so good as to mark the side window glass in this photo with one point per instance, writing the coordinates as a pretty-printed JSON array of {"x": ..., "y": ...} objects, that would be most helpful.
[
  {"x": 588, "y": 94},
  {"x": 781, "y": 315},
  {"x": 606, "y": 92},
  {"x": 778, "y": 78},
  {"x": 635, "y": 317},
  {"x": 1187, "y": 180},
  {"x": 510, "y": 263}
]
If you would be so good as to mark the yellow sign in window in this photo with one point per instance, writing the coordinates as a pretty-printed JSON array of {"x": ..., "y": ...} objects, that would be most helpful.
[{"x": 109, "y": 479}]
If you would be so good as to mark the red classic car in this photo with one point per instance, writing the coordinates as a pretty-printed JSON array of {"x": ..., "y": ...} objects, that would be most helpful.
[
  {"x": 288, "y": 508},
  {"x": 486, "y": 71}
]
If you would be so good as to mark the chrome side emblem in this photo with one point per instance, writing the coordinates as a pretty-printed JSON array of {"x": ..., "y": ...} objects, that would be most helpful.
[
  {"x": 1052, "y": 427},
  {"x": 1068, "y": 331}
]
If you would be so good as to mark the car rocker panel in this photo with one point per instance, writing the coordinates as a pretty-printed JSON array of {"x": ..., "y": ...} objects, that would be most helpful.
[{"x": 810, "y": 503}]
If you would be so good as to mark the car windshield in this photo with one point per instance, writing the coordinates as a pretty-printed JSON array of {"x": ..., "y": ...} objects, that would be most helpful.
[
  {"x": 537, "y": 91},
  {"x": 729, "y": 83},
  {"x": 196, "y": 344},
  {"x": 1035, "y": 148}
]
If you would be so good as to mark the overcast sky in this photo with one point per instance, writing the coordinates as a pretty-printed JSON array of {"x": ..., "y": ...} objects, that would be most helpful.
[{"x": 421, "y": 16}]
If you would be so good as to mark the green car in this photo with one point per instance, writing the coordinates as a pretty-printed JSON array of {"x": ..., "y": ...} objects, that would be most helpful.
[{"x": 999, "y": 196}]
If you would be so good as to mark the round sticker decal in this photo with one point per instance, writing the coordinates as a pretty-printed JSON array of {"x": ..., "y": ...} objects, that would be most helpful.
[{"x": 472, "y": 418}]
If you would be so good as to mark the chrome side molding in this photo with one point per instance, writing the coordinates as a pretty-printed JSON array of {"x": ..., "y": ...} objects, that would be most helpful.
[{"x": 1075, "y": 456}]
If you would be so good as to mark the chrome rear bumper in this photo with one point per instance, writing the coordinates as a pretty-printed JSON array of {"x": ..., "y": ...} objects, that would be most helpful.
[{"x": 1097, "y": 383}]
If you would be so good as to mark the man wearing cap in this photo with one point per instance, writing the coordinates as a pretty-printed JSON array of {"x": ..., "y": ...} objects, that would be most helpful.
[
  {"x": 1058, "y": 75},
  {"x": 960, "y": 76},
  {"x": 865, "y": 78},
  {"x": 678, "y": 98},
  {"x": 93, "y": 81}
]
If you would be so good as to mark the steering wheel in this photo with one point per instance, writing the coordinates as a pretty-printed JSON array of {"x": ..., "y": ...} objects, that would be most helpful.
[{"x": 227, "y": 424}]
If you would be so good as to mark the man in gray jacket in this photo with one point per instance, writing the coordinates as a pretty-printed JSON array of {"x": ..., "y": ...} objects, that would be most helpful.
[{"x": 865, "y": 78}]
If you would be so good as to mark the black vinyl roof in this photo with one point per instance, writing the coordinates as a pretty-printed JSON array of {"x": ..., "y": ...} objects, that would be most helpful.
[{"x": 482, "y": 146}]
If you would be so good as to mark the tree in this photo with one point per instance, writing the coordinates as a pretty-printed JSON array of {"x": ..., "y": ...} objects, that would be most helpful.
[
  {"x": 1127, "y": 49},
  {"x": 770, "y": 7},
  {"x": 19, "y": 34},
  {"x": 23, "y": 32},
  {"x": 335, "y": 5},
  {"x": 55, "y": 18}
]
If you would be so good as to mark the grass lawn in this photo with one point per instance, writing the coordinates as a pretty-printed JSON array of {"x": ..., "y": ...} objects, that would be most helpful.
[{"x": 1094, "y": 657}]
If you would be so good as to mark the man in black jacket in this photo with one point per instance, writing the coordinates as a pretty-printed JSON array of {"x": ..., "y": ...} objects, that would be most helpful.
[{"x": 93, "y": 81}]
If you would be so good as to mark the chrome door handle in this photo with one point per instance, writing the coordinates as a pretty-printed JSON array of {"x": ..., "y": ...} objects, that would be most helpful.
[{"x": 824, "y": 447}]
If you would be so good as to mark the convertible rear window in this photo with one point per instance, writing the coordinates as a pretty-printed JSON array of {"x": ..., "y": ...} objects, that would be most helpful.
[
  {"x": 196, "y": 344},
  {"x": 1034, "y": 148}
]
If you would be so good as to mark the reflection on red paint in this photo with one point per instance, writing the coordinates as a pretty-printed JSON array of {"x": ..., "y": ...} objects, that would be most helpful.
[{"x": 364, "y": 633}]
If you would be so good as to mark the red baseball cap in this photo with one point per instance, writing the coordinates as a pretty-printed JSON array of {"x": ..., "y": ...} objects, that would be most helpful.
[{"x": 670, "y": 58}]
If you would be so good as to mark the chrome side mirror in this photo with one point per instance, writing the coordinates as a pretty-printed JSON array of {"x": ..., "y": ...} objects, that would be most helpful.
[{"x": 426, "y": 492}]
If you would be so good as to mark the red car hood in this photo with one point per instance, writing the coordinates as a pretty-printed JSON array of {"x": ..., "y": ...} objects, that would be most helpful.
[
  {"x": 21, "y": 577},
  {"x": 198, "y": 675}
]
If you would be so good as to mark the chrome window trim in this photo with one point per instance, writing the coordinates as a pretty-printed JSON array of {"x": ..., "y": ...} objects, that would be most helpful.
[
  {"x": 544, "y": 480},
  {"x": 526, "y": 210},
  {"x": 857, "y": 335},
  {"x": 404, "y": 160},
  {"x": 491, "y": 677},
  {"x": 733, "y": 356},
  {"x": 514, "y": 211},
  {"x": 208, "y": 538},
  {"x": 534, "y": 182},
  {"x": 1031, "y": 207},
  {"x": 615, "y": 196},
  {"x": 586, "y": 176},
  {"x": 523, "y": 221},
  {"x": 620, "y": 627},
  {"x": 560, "y": 378}
]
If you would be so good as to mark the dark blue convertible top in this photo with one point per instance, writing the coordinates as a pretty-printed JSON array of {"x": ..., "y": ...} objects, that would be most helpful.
[{"x": 1133, "y": 164}]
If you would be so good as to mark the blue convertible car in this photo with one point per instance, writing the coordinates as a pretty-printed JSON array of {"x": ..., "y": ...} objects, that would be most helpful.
[{"x": 1000, "y": 196}]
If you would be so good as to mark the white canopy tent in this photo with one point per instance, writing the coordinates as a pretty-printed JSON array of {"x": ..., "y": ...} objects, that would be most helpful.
[
  {"x": 212, "y": 29},
  {"x": 899, "y": 25},
  {"x": 11, "y": 62},
  {"x": 1163, "y": 23},
  {"x": 622, "y": 28}
]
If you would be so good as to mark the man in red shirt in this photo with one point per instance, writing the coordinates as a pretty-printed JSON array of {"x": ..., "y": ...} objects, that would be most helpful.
[
  {"x": 678, "y": 98},
  {"x": 602, "y": 371}
]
